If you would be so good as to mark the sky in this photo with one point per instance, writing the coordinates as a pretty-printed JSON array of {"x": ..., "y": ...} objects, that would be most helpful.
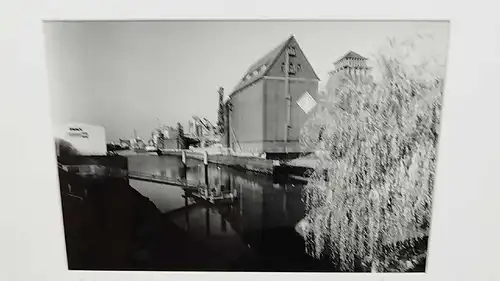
[{"x": 128, "y": 76}]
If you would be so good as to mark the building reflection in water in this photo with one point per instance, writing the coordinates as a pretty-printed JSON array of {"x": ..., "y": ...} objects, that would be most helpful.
[{"x": 262, "y": 205}]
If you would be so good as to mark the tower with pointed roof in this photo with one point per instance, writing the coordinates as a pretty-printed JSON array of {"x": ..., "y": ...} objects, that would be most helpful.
[
  {"x": 352, "y": 64},
  {"x": 264, "y": 115}
]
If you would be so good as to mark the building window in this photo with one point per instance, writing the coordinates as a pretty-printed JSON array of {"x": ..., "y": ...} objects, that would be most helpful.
[{"x": 292, "y": 68}]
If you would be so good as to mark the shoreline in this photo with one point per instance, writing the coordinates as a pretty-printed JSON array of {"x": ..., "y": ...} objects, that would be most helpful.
[{"x": 242, "y": 163}]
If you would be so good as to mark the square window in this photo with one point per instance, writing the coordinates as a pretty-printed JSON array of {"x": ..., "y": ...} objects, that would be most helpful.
[{"x": 292, "y": 68}]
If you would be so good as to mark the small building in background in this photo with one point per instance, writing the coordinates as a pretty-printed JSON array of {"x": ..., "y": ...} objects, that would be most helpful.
[
  {"x": 137, "y": 144},
  {"x": 264, "y": 114},
  {"x": 351, "y": 64},
  {"x": 164, "y": 137},
  {"x": 203, "y": 130},
  {"x": 169, "y": 132},
  {"x": 201, "y": 127}
]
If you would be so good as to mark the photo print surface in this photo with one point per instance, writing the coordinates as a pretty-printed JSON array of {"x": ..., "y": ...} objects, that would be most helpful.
[{"x": 276, "y": 146}]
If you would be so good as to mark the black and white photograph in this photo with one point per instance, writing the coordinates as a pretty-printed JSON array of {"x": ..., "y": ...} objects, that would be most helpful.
[{"x": 252, "y": 146}]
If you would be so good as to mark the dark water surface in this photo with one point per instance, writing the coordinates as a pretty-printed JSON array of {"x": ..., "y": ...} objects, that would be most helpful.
[
  {"x": 150, "y": 227},
  {"x": 262, "y": 203}
]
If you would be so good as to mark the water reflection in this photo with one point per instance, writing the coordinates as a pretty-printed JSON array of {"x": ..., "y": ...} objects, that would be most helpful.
[{"x": 262, "y": 205}]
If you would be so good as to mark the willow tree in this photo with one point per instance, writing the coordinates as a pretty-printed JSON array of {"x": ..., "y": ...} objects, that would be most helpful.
[{"x": 379, "y": 138}]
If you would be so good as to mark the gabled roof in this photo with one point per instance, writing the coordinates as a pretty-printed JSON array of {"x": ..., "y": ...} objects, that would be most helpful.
[
  {"x": 271, "y": 56},
  {"x": 261, "y": 68},
  {"x": 351, "y": 55}
]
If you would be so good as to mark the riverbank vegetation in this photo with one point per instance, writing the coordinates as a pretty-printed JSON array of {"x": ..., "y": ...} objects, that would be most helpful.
[{"x": 378, "y": 136}]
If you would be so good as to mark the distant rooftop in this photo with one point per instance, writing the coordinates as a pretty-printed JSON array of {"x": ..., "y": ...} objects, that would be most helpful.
[{"x": 351, "y": 55}]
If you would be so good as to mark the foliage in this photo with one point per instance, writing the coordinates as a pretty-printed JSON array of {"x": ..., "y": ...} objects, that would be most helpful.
[
  {"x": 379, "y": 138},
  {"x": 221, "y": 111}
]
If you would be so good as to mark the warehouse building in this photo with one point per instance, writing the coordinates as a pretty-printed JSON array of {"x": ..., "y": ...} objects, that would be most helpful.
[{"x": 264, "y": 115}]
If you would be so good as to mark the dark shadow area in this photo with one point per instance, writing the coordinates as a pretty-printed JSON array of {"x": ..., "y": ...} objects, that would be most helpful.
[
  {"x": 111, "y": 226},
  {"x": 281, "y": 249}
]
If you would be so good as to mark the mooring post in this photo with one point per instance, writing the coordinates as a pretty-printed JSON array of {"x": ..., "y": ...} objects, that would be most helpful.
[
  {"x": 186, "y": 213},
  {"x": 277, "y": 169},
  {"x": 184, "y": 165},
  {"x": 207, "y": 221},
  {"x": 230, "y": 186},
  {"x": 205, "y": 163},
  {"x": 220, "y": 186},
  {"x": 223, "y": 226}
]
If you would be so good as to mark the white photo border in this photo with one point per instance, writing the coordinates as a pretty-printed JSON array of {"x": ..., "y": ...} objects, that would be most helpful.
[{"x": 465, "y": 216}]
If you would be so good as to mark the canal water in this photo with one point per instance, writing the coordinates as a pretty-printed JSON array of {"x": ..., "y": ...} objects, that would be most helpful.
[{"x": 257, "y": 232}]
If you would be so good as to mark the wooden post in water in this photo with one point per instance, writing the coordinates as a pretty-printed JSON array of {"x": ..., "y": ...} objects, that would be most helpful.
[
  {"x": 220, "y": 186},
  {"x": 223, "y": 226},
  {"x": 207, "y": 221},
  {"x": 205, "y": 163},
  {"x": 285, "y": 203},
  {"x": 186, "y": 212},
  {"x": 184, "y": 165}
]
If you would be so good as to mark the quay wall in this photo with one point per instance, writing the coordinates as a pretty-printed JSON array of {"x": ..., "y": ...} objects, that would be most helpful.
[
  {"x": 253, "y": 164},
  {"x": 249, "y": 163},
  {"x": 117, "y": 161},
  {"x": 295, "y": 172}
]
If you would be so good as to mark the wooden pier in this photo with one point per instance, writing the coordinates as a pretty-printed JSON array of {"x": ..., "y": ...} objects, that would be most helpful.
[
  {"x": 221, "y": 198},
  {"x": 186, "y": 185},
  {"x": 197, "y": 191}
]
